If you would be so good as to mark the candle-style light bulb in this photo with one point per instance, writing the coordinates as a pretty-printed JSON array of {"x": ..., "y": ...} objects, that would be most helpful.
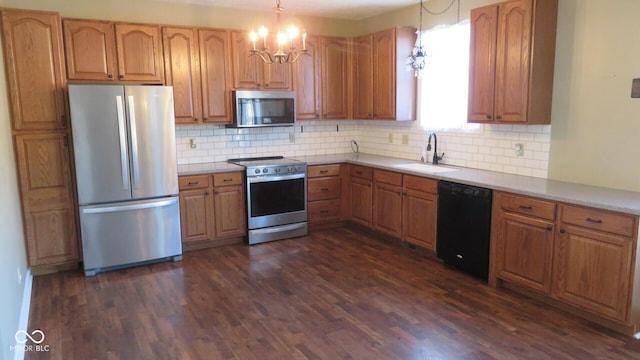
[
  {"x": 253, "y": 36},
  {"x": 263, "y": 34},
  {"x": 304, "y": 41}
]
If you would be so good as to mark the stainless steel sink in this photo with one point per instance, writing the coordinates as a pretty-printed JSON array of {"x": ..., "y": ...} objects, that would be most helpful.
[{"x": 425, "y": 168}]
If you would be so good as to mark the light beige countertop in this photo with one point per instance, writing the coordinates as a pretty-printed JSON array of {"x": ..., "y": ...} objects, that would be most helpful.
[{"x": 592, "y": 196}]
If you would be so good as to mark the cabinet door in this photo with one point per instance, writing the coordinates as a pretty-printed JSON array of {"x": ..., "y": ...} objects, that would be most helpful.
[
  {"x": 335, "y": 96},
  {"x": 215, "y": 65},
  {"x": 247, "y": 70},
  {"x": 593, "y": 270},
  {"x": 513, "y": 61},
  {"x": 139, "y": 53},
  {"x": 230, "y": 211},
  {"x": 182, "y": 71},
  {"x": 276, "y": 76},
  {"x": 361, "y": 201},
  {"x": 47, "y": 198},
  {"x": 196, "y": 214},
  {"x": 387, "y": 209},
  {"x": 363, "y": 77},
  {"x": 306, "y": 73},
  {"x": 419, "y": 217},
  {"x": 524, "y": 251},
  {"x": 384, "y": 69},
  {"x": 35, "y": 69},
  {"x": 90, "y": 50},
  {"x": 482, "y": 65}
]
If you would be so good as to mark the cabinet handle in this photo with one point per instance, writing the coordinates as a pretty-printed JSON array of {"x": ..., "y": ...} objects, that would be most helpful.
[
  {"x": 562, "y": 231},
  {"x": 227, "y": 180},
  {"x": 549, "y": 227},
  {"x": 526, "y": 207},
  {"x": 324, "y": 171},
  {"x": 595, "y": 221},
  {"x": 359, "y": 172},
  {"x": 499, "y": 117},
  {"x": 110, "y": 76},
  {"x": 324, "y": 189},
  {"x": 324, "y": 211},
  {"x": 192, "y": 183},
  {"x": 216, "y": 192}
]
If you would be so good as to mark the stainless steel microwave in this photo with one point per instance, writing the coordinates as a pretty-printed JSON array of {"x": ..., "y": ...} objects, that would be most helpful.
[{"x": 255, "y": 108}]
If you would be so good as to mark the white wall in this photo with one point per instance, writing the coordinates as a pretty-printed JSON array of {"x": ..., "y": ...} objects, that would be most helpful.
[{"x": 12, "y": 250}]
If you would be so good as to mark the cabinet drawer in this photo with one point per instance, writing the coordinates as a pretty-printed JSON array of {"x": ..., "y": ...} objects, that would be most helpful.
[
  {"x": 193, "y": 182},
  {"x": 325, "y": 210},
  {"x": 387, "y": 177},
  {"x": 597, "y": 219},
  {"x": 362, "y": 172},
  {"x": 323, "y": 170},
  {"x": 323, "y": 188},
  {"x": 224, "y": 179},
  {"x": 420, "y": 184},
  {"x": 528, "y": 206}
]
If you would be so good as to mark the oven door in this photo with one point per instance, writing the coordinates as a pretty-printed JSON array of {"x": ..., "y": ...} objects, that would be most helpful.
[{"x": 276, "y": 200}]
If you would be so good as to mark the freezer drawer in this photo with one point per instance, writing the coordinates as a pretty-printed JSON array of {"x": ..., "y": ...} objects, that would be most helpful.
[{"x": 126, "y": 233}]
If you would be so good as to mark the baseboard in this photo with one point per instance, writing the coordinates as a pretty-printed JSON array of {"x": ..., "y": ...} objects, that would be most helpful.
[{"x": 23, "y": 323}]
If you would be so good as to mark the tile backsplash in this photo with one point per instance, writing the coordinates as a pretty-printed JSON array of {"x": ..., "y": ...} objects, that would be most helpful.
[{"x": 492, "y": 147}]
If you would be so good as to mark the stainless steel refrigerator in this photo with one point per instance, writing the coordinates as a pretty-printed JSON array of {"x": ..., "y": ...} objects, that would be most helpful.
[{"x": 126, "y": 171}]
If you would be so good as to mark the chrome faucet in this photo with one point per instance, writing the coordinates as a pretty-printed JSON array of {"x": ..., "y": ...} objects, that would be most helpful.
[{"x": 436, "y": 158}]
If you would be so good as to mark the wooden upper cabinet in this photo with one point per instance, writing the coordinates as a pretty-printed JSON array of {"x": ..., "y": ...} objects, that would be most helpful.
[
  {"x": 334, "y": 74},
  {"x": 90, "y": 50},
  {"x": 511, "y": 80},
  {"x": 182, "y": 71},
  {"x": 363, "y": 77},
  {"x": 383, "y": 89},
  {"x": 139, "y": 53},
  {"x": 34, "y": 69},
  {"x": 215, "y": 69},
  {"x": 250, "y": 72},
  {"x": 306, "y": 75},
  {"x": 47, "y": 198}
]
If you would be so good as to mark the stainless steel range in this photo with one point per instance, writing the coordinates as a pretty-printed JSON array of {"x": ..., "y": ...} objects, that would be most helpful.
[{"x": 276, "y": 198}]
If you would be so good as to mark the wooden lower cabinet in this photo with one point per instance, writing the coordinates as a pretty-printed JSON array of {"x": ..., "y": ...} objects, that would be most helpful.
[
  {"x": 212, "y": 209},
  {"x": 387, "y": 203},
  {"x": 48, "y": 205},
  {"x": 593, "y": 268},
  {"x": 420, "y": 211},
  {"x": 361, "y": 195}
]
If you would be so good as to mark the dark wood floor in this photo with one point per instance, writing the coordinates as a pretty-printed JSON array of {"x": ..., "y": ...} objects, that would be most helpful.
[{"x": 336, "y": 294}]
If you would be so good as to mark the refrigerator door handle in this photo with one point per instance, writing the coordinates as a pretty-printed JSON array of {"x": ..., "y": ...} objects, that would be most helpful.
[
  {"x": 145, "y": 205},
  {"x": 123, "y": 143},
  {"x": 134, "y": 143}
]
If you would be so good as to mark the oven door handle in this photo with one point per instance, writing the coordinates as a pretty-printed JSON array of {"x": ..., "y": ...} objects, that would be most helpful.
[{"x": 262, "y": 179}]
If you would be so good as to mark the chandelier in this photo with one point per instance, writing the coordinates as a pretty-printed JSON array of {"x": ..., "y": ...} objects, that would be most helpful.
[
  {"x": 286, "y": 51},
  {"x": 416, "y": 61}
]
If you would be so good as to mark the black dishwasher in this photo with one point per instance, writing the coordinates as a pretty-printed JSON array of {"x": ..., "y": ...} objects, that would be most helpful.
[{"x": 464, "y": 223}]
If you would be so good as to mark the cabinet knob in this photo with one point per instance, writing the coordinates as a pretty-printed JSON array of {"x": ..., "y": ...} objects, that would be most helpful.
[
  {"x": 499, "y": 117},
  {"x": 488, "y": 116},
  {"x": 205, "y": 120},
  {"x": 195, "y": 119},
  {"x": 562, "y": 231},
  {"x": 369, "y": 114},
  {"x": 258, "y": 84},
  {"x": 121, "y": 76},
  {"x": 266, "y": 85},
  {"x": 549, "y": 227},
  {"x": 206, "y": 193},
  {"x": 317, "y": 115},
  {"x": 110, "y": 76}
]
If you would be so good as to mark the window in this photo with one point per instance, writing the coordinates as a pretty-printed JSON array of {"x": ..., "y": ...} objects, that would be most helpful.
[{"x": 444, "y": 82}]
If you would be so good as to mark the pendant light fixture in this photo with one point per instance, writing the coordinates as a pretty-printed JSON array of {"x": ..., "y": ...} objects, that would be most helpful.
[
  {"x": 286, "y": 51},
  {"x": 415, "y": 62}
]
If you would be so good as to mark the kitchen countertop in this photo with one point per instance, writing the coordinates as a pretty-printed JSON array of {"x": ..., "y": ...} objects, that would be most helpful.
[{"x": 592, "y": 196}]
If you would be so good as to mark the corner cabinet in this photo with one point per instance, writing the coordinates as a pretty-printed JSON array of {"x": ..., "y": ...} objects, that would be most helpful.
[
  {"x": 511, "y": 62},
  {"x": 383, "y": 89}
]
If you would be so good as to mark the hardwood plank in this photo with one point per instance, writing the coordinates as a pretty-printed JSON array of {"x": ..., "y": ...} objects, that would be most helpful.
[{"x": 335, "y": 294}]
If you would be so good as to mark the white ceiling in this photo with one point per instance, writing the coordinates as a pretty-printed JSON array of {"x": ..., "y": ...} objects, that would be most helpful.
[{"x": 340, "y": 9}]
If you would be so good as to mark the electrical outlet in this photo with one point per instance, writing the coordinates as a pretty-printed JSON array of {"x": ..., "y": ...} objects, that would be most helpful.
[
  {"x": 405, "y": 139},
  {"x": 292, "y": 138},
  {"x": 390, "y": 138},
  {"x": 519, "y": 149},
  {"x": 192, "y": 143}
]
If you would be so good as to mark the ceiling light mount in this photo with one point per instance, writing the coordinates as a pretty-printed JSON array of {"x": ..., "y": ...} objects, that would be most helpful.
[{"x": 286, "y": 51}]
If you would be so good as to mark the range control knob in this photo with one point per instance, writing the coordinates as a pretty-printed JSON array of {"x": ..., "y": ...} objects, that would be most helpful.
[
  {"x": 277, "y": 169},
  {"x": 257, "y": 171},
  {"x": 265, "y": 170}
]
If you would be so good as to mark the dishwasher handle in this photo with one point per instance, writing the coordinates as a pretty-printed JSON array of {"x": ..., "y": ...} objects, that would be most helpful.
[{"x": 456, "y": 189}]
